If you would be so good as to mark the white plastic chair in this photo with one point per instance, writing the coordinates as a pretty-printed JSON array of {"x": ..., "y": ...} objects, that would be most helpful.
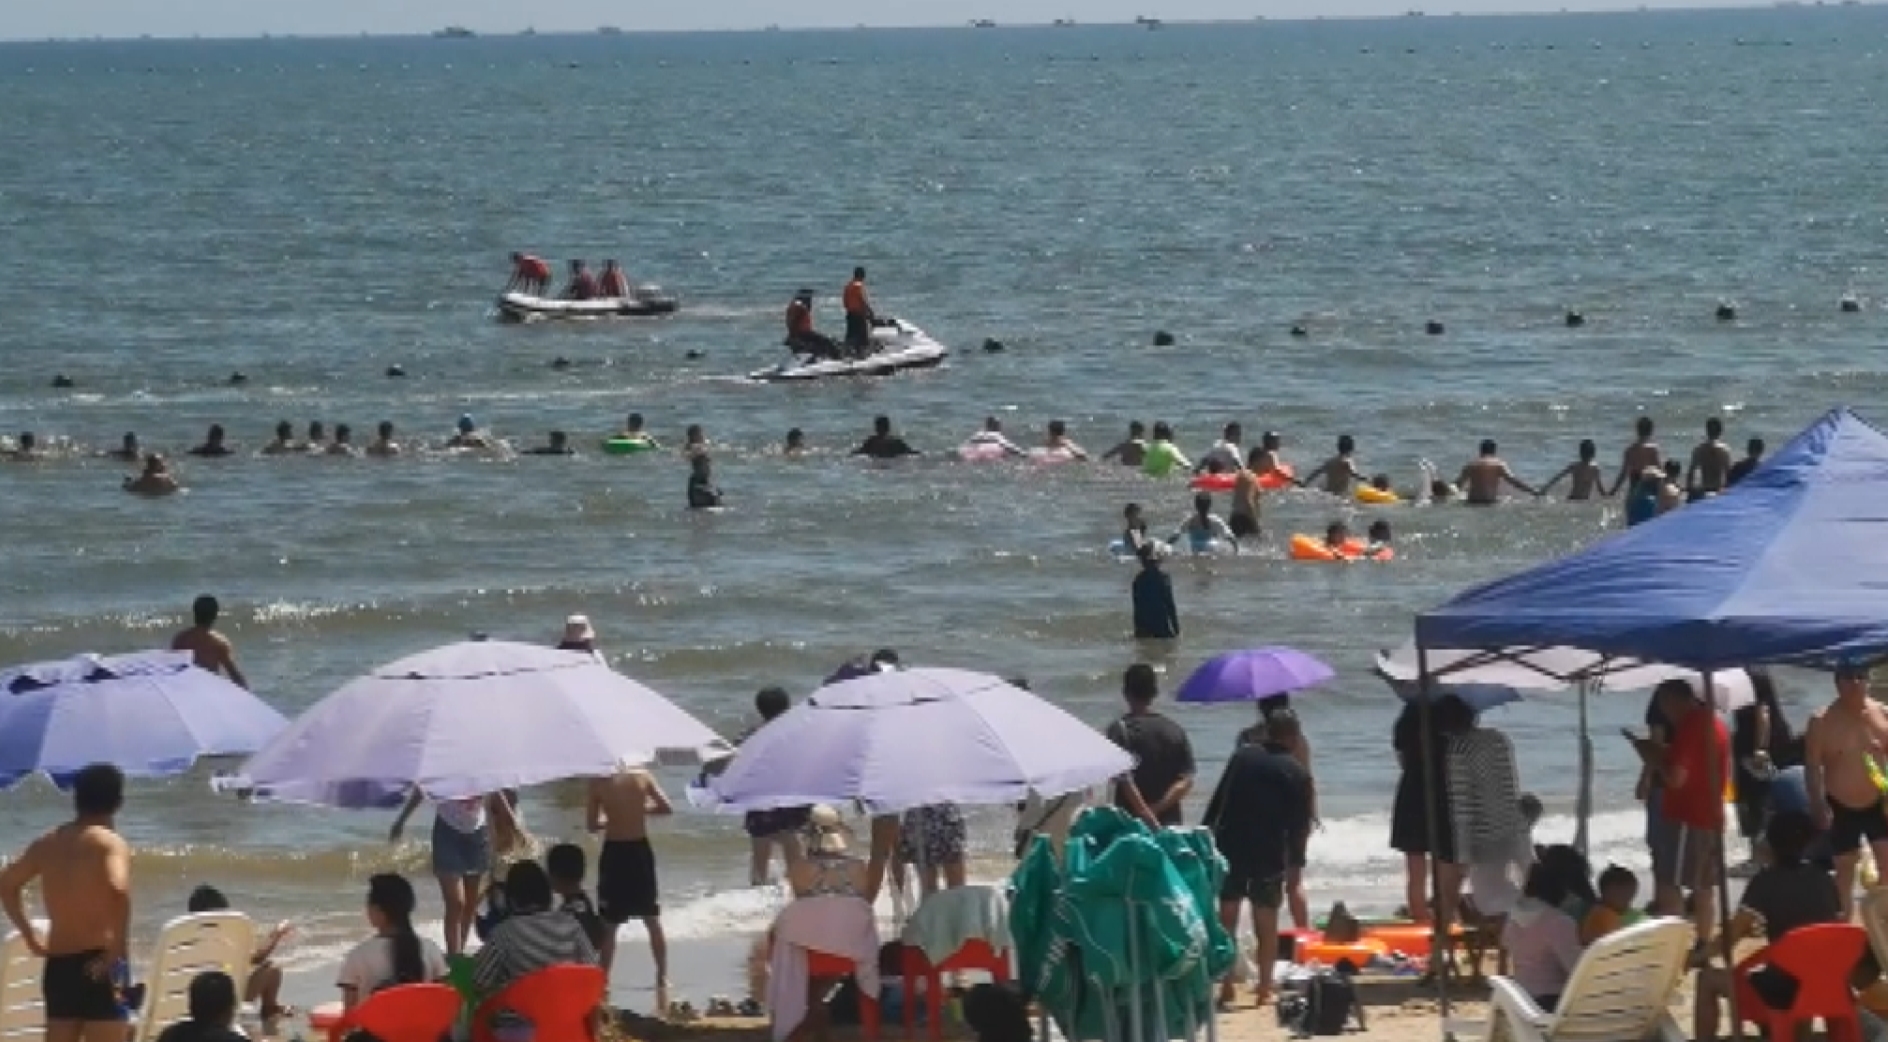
[
  {"x": 22, "y": 1012},
  {"x": 1621, "y": 991},
  {"x": 188, "y": 946}
]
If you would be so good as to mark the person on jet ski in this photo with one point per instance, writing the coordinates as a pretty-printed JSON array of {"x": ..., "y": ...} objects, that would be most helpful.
[
  {"x": 583, "y": 285},
  {"x": 530, "y": 274},
  {"x": 858, "y": 314},
  {"x": 613, "y": 284},
  {"x": 801, "y": 339}
]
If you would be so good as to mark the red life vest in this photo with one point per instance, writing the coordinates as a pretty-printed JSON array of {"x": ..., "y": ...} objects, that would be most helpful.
[{"x": 799, "y": 318}]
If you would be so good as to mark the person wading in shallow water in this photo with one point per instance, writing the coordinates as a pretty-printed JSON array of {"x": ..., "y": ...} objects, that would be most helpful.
[{"x": 210, "y": 649}]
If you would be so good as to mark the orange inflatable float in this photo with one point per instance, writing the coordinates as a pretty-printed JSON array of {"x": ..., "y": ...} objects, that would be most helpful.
[
  {"x": 1310, "y": 548},
  {"x": 1223, "y": 482},
  {"x": 1357, "y": 953}
]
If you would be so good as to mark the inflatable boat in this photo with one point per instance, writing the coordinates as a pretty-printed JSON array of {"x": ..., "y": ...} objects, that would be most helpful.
[
  {"x": 897, "y": 345},
  {"x": 642, "y": 302}
]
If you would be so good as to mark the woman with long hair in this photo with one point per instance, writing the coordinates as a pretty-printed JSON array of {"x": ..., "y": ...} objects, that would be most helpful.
[{"x": 394, "y": 954}]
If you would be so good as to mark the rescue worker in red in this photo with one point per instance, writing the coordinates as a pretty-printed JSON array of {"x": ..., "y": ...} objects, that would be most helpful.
[
  {"x": 613, "y": 284},
  {"x": 801, "y": 339},
  {"x": 583, "y": 285},
  {"x": 530, "y": 274},
  {"x": 858, "y": 314}
]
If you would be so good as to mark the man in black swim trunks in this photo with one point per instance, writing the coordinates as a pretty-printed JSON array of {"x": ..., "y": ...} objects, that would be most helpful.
[
  {"x": 84, "y": 873},
  {"x": 1844, "y": 742},
  {"x": 620, "y": 807}
]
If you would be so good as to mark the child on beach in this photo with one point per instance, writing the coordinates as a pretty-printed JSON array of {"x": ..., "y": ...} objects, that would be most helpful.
[
  {"x": 265, "y": 977},
  {"x": 1619, "y": 888},
  {"x": 564, "y": 863}
]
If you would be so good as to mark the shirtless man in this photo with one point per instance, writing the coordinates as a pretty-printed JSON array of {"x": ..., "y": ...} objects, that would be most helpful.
[
  {"x": 1481, "y": 478},
  {"x": 1243, "y": 514},
  {"x": 1264, "y": 460},
  {"x": 210, "y": 649},
  {"x": 1710, "y": 463},
  {"x": 1340, "y": 471},
  {"x": 84, "y": 873},
  {"x": 1059, "y": 441},
  {"x": 284, "y": 442},
  {"x": 383, "y": 444},
  {"x": 1132, "y": 451},
  {"x": 1642, "y": 453},
  {"x": 1843, "y": 798},
  {"x": 1588, "y": 481},
  {"x": 156, "y": 480},
  {"x": 620, "y": 807}
]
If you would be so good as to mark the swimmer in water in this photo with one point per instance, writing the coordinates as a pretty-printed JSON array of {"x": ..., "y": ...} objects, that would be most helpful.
[
  {"x": 559, "y": 445},
  {"x": 383, "y": 444},
  {"x": 343, "y": 443},
  {"x": 1225, "y": 452},
  {"x": 1340, "y": 471},
  {"x": 633, "y": 431},
  {"x": 1642, "y": 503},
  {"x": 26, "y": 449},
  {"x": 796, "y": 443},
  {"x": 1132, "y": 451},
  {"x": 1753, "y": 458},
  {"x": 702, "y": 493},
  {"x": 1377, "y": 540},
  {"x": 317, "y": 442},
  {"x": 1059, "y": 441},
  {"x": 1642, "y": 453},
  {"x": 1587, "y": 478},
  {"x": 1134, "y": 528},
  {"x": 1481, "y": 478},
  {"x": 1336, "y": 535},
  {"x": 284, "y": 442},
  {"x": 1243, "y": 514},
  {"x": 1710, "y": 470},
  {"x": 1203, "y": 528},
  {"x": 127, "y": 450},
  {"x": 1264, "y": 460},
  {"x": 156, "y": 480},
  {"x": 1162, "y": 457},
  {"x": 992, "y": 435},
  {"x": 694, "y": 442},
  {"x": 1671, "y": 489},
  {"x": 468, "y": 436},
  {"x": 215, "y": 444}
]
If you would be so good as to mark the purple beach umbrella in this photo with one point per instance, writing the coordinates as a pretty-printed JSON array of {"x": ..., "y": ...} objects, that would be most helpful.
[{"x": 1247, "y": 676}]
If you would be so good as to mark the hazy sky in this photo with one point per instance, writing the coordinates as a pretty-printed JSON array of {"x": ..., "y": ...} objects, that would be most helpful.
[{"x": 121, "y": 18}]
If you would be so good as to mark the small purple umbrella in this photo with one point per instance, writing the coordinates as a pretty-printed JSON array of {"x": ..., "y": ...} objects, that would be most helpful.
[{"x": 1247, "y": 676}]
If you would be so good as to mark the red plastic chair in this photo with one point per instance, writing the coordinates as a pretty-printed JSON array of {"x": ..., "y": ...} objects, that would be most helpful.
[
  {"x": 974, "y": 955},
  {"x": 821, "y": 965},
  {"x": 559, "y": 1001},
  {"x": 1821, "y": 958},
  {"x": 405, "y": 1013}
]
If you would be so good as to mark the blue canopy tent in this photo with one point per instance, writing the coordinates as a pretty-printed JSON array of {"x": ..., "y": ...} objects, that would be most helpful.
[{"x": 1791, "y": 566}]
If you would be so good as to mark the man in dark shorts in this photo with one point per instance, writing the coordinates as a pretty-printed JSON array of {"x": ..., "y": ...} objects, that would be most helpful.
[
  {"x": 1260, "y": 815},
  {"x": 620, "y": 807},
  {"x": 779, "y": 827},
  {"x": 1163, "y": 755},
  {"x": 84, "y": 872}
]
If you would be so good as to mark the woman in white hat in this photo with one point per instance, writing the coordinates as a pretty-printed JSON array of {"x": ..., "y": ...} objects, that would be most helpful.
[{"x": 827, "y": 870}]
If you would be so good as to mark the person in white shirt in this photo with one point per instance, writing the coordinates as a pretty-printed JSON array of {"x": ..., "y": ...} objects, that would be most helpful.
[
  {"x": 395, "y": 954},
  {"x": 990, "y": 441},
  {"x": 1225, "y": 456}
]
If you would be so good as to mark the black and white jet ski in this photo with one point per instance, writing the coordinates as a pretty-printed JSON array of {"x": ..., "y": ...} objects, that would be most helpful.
[
  {"x": 642, "y": 302},
  {"x": 897, "y": 345}
]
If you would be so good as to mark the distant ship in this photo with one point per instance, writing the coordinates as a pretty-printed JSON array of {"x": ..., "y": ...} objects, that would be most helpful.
[
  {"x": 1151, "y": 23},
  {"x": 609, "y": 30},
  {"x": 453, "y": 32},
  {"x": 1065, "y": 23},
  {"x": 528, "y": 31},
  {"x": 983, "y": 23}
]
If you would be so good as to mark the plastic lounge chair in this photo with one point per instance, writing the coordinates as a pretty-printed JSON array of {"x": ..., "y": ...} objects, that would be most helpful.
[
  {"x": 188, "y": 946},
  {"x": 404, "y": 1013},
  {"x": 22, "y": 1011},
  {"x": 558, "y": 1001},
  {"x": 825, "y": 965},
  {"x": 1874, "y": 916},
  {"x": 974, "y": 955},
  {"x": 1619, "y": 992},
  {"x": 1821, "y": 958}
]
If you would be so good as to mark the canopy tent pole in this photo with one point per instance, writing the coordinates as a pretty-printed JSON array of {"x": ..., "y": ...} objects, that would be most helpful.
[
  {"x": 1438, "y": 929},
  {"x": 1723, "y": 888},
  {"x": 1583, "y": 804}
]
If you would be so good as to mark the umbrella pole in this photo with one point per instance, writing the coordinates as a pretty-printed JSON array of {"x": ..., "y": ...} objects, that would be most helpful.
[
  {"x": 1135, "y": 1024},
  {"x": 1439, "y": 930},
  {"x": 1583, "y": 809},
  {"x": 1723, "y": 876}
]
